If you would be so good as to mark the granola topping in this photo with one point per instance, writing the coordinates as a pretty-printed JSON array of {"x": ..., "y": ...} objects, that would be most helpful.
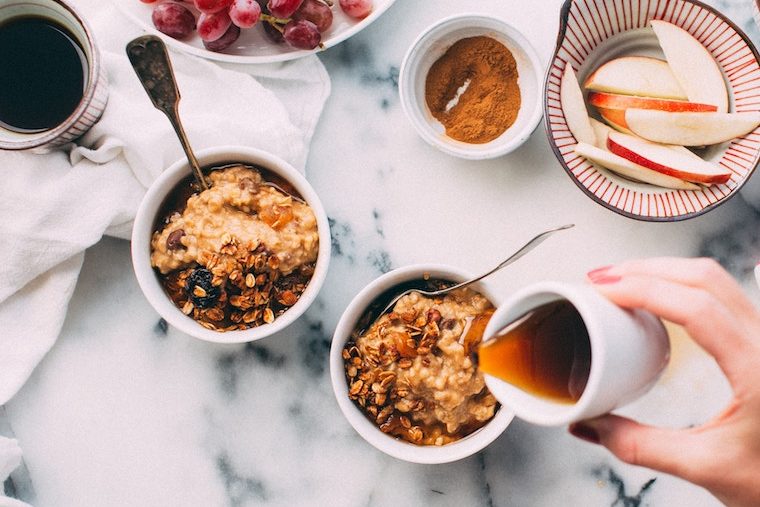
[
  {"x": 414, "y": 377},
  {"x": 239, "y": 254}
]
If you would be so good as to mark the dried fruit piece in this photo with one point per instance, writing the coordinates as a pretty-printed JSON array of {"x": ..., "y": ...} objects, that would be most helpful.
[{"x": 201, "y": 291}]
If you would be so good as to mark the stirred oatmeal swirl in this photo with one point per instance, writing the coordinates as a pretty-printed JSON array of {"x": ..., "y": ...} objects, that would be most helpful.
[
  {"x": 411, "y": 371},
  {"x": 238, "y": 207}
]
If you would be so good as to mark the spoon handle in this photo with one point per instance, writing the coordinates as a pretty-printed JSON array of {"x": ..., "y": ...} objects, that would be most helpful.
[
  {"x": 149, "y": 58},
  {"x": 527, "y": 247}
]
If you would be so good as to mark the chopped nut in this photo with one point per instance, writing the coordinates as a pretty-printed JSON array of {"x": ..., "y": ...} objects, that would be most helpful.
[
  {"x": 433, "y": 315},
  {"x": 287, "y": 298},
  {"x": 409, "y": 316},
  {"x": 250, "y": 280},
  {"x": 356, "y": 387},
  {"x": 415, "y": 434},
  {"x": 384, "y": 414},
  {"x": 268, "y": 316}
]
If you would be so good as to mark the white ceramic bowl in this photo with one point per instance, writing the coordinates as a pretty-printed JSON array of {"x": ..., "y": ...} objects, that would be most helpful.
[
  {"x": 143, "y": 229},
  {"x": 398, "y": 448},
  {"x": 431, "y": 44}
]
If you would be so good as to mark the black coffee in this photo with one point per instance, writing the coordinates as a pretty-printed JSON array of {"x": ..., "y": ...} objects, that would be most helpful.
[{"x": 42, "y": 74}]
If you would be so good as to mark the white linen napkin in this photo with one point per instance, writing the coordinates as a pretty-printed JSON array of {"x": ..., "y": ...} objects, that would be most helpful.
[{"x": 55, "y": 206}]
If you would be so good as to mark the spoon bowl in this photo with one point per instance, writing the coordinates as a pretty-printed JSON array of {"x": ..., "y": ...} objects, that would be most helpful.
[{"x": 432, "y": 288}]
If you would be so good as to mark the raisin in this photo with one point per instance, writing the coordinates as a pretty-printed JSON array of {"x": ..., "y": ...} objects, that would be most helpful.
[
  {"x": 173, "y": 241},
  {"x": 200, "y": 290}
]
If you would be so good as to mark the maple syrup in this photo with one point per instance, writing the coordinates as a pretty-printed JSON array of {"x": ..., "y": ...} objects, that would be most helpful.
[{"x": 545, "y": 352}]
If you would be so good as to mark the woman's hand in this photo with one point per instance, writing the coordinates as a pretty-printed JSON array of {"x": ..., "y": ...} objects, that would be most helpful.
[{"x": 722, "y": 455}]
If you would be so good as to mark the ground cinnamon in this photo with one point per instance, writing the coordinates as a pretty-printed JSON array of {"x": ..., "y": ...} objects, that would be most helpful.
[{"x": 472, "y": 90}]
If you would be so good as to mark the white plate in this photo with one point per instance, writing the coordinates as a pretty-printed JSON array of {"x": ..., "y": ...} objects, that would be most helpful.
[{"x": 254, "y": 46}]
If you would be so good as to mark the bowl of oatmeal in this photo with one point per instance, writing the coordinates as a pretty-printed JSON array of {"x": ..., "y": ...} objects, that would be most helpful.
[
  {"x": 238, "y": 261},
  {"x": 406, "y": 380}
]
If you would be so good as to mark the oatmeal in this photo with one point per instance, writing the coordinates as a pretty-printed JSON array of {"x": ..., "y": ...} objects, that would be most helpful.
[
  {"x": 412, "y": 374},
  {"x": 238, "y": 254}
]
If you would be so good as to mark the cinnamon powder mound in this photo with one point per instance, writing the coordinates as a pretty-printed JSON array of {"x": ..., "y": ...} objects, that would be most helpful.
[{"x": 472, "y": 90}]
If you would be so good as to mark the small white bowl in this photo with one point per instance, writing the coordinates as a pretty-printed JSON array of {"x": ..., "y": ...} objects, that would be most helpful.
[
  {"x": 431, "y": 44},
  {"x": 400, "y": 449},
  {"x": 143, "y": 230}
]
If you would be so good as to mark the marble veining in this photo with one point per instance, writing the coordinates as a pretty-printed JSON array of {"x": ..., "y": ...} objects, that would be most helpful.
[
  {"x": 733, "y": 247},
  {"x": 609, "y": 477},
  {"x": 127, "y": 411}
]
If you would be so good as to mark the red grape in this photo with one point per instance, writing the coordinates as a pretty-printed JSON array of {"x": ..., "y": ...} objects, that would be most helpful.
[
  {"x": 356, "y": 8},
  {"x": 211, "y": 6},
  {"x": 283, "y": 8},
  {"x": 245, "y": 13},
  {"x": 212, "y": 26},
  {"x": 302, "y": 34},
  {"x": 147, "y": 1},
  {"x": 317, "y": 12},
  {"x": 174, "y": 20},
  {"x": 225, "y": 41}
]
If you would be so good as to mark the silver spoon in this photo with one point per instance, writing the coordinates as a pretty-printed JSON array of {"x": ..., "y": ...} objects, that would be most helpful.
[
  {"x": 149, "y": 58},
  {"x": 371, "y": 315}
]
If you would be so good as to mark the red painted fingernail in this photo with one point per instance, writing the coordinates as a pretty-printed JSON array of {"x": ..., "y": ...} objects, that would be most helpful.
[
  {"x": 584, "y": 432},
  {"x": 598, "y": 271},
  {"x": 604, "y": 280}
]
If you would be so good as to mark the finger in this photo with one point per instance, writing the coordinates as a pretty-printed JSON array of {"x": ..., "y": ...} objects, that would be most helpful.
[
  {"x": 701, "y": 273},
  {"x": 676, "y": 452},
  {"x": 705, "y": 318}
]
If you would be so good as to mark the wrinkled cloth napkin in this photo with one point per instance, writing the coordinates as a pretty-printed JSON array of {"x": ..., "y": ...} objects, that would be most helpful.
[{"x": 55, "y": 206}]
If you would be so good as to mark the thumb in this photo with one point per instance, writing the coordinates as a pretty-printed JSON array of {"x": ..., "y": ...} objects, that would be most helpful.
[{"x": 676, "y": 452}]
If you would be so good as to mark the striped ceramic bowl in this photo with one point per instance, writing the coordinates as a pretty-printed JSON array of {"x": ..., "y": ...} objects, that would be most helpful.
[
  {"x": 95, "y": 96},
  {"x": 593, "y": 32}
]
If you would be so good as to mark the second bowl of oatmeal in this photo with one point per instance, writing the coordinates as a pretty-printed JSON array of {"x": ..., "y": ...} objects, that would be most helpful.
[
  {"x": 406, "y": 381},
  {"x": 239, "y": 261}
]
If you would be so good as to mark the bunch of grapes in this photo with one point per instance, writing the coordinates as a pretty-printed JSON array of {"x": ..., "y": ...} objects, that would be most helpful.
[{"x": 299, "y": 23}]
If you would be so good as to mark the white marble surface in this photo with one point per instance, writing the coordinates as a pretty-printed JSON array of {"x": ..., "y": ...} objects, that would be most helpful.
[{"x": 125, "y": 412}]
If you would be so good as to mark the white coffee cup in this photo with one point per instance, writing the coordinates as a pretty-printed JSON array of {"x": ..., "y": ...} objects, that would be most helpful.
[
  {"x": 629, "y": 351},
  {"x": 95, "y": 95}
]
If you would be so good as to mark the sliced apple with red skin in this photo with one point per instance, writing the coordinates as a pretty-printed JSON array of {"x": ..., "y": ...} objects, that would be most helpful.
[
  {"x": 615, "y": 118},
  {"x": 624, "y": 167},
  {"x": 616, "y": 101},
  {"x": 663, "y": 159},
  {"x": 574, "y": 107},
  {"x": 636, "y": 75},
  {"x": 603, "y": 130},
  {"x": 690, "y": 129},
  {"x": 693, "y": 66}
]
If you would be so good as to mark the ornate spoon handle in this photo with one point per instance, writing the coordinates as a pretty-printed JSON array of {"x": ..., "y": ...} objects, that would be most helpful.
[{"x": 149, "y": 58}]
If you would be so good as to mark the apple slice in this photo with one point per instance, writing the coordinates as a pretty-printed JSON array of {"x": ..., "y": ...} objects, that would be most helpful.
[
  {"x": 574, "y": 107},
  {"x": 664, "y": 159},
  {"x": 693, "y": 66},
  {"x": 616, "y": 101},
  {"x": 636, "y": 75},
  {"x": 690, "y": 129},
  {"x": 601, "y": 131},
  {"x": 615, "y": 118},
  {"x": 630, "y": 170}
]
